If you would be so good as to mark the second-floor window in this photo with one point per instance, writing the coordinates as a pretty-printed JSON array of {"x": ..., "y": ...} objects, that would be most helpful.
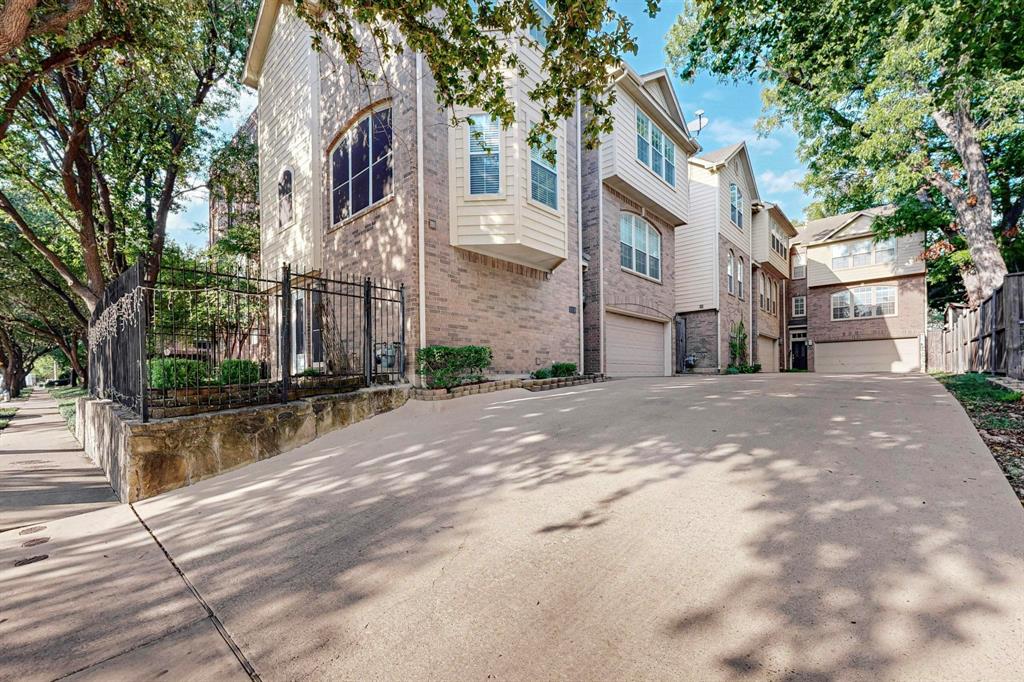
[
  {"x": 736, "y": 204},
  {"x": 538, "y": 33},
  {"x": 780, "y": 244},
  {"x": 799, "y": 306},
  {"x": 484, "y": 155},
  {"x": 544, "y": 174},
  {"x": 361, "y": 166},
  {"x": 761, "y": 292},
  {"x": 730, "y": 267},
  {"x": 285, "y": 198},
  {"x": 739, "y": 277},
  {"x": 799, "y": 265},
  {"x": 872, "y": 301},
  {"x": 654, "y": 149},
  {"x": 862, "y": 252},
  {"x": 640, "y": 246}
]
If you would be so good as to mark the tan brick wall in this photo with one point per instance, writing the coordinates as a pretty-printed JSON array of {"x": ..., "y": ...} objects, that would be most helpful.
[
  {"x": 522, "y": 314},
  {"x": 733, "y": 308},
  {"x": 701, "y": 338},
  {"x": 767, "y": 323},
  {"x": 911, "y": 300}
]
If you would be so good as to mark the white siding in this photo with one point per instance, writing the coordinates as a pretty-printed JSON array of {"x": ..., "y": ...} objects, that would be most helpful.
[
  {"x": 762, "y": 242},
  {"x": 619, "y": 162},
  {"x": 908, "y": 262},
  {"x": 286, "y": 92},
  {"x": 695, "y": 246}
]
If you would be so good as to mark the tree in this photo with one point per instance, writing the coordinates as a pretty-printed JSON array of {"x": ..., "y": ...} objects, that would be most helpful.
[
  {"x": 21, "y": 19},
  {"x": 104, "y": 139},
  {"x": 893, "y": 101},
  {"x": 468, "y": 48},
  {"x": 234, "y": 191}
]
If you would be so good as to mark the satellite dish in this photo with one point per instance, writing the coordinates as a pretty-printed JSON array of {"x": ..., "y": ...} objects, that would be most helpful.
[{"x": 698, "y": 124}]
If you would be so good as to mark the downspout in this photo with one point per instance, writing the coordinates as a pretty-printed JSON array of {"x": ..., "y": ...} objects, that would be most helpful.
[
  {"x": 420, "y": 211},
  {"x": 579, "y": 223}
]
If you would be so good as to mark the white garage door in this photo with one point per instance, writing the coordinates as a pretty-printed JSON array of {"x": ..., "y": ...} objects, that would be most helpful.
[
  {"x": 636, "y": 347},
  {"x": 768, "y": 353},
  {"x": 889, "y": 355}
]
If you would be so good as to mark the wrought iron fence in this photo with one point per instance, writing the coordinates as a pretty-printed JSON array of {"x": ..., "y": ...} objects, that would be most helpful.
[{"x": 209, "y": 338}]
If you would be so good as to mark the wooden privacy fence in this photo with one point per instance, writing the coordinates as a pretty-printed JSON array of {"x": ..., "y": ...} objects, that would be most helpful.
[{"x": 987, "y": 338}]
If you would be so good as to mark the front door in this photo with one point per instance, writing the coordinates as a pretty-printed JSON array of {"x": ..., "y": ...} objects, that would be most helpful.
[{"x": 800, "y": 355}]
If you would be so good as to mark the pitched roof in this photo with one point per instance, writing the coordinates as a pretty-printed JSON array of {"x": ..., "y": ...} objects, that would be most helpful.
[
  {"x": 824, "y": 228},
  {"x": 719, "y": 156}
]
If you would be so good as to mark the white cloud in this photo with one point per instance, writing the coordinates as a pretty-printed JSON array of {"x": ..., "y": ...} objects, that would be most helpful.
[
  {"x": 773, "y": 183},
  {"x": 722, "y": 132}
]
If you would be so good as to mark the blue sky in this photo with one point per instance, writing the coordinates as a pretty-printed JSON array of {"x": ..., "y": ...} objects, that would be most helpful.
[{"x": 731, "y": 109}]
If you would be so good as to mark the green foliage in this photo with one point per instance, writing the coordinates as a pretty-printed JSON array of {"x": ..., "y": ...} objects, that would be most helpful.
[
  {"x": 732, "y": 369},
  {"x": 239, "y": 372},
  {"x": 6, "y": 414},
  {"x": 311, "y": 372},
  {"x": 738, "y": 344},
  {"x": 449, "y": 366},
  {"x": 976, "y": 390},
  {"x": 563, "y": 369},
  {"x": 67, "y": 402},
  {"x": 177, "y": 373},
  {"x": 471, "y": 49},
  {"x": 542, "y": 373},
  {"x": 234, "y": 189},
  {"x": 750, "y": 369}
]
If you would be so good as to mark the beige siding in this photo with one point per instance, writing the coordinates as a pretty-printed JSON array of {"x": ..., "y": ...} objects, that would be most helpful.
[
  {"x": 286, "y": 93},
  {"x": 619, "y": 161},
  {"x": 781, "y": 263},
  {"x": 734, "y": 172},
  {"x": 510, "y": 225},
  {"x": 695, "y": 246},
  {"x": 908, "y": 261}
]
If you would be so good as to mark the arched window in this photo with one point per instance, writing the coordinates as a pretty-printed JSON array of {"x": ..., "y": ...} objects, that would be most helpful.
[
  {"x": 761, "y": 291},
  {"x": 361, "y": 165},
  {"x": 775, "y": 298},
  {"x": 729, "y": 275},
  {"x": 736, "y": 204},
  {"x": 284, "y": 199},
  {"x": 639, "y": 246},
  {"x": 739, "y": 277}
]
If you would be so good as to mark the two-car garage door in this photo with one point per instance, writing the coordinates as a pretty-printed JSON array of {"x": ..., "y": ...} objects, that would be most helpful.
[
  {"x": 635, "y": 346},
  {"x": 888, "y": 355}
]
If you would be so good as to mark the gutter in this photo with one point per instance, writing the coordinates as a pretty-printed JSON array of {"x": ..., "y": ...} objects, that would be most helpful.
[
  {"x": 579, "y": 222},
  {"x": 420, "y": 210}
]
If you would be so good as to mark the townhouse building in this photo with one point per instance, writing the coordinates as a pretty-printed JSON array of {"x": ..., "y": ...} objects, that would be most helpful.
[
  {"x": 369, "y": 179},
  {"x": 857, "y": 304},
  {"x": 769, "y": 279},
  {"x": 635, "y": 196}
]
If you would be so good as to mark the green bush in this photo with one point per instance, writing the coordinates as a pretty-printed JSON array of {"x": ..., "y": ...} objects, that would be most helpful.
[
  {"x": 449, "y": 366},
  {"x": 542, "y": 373},
  {"x": 311, "y": 372},
  {"x": 239, "y": 372},
  {"x": 177, "y": 373},
  {"x": 563, "y": 369},
  {"x": 750, "y": 369},
  {"x": 732, "y": 369}
]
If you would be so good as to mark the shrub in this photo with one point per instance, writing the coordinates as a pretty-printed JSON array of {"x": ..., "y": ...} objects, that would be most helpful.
[
  {"x": 177, "y": 373},
  {"x": 449, "y": 366},
  {"x": 738, "y": 344},
  {"x": 311, "y": 372},
  {"x": 542, "y": 373},
  {"x": 239, "y": 372},
  {"x": 750, "y": 369},
  {"x": 563, "y": 369},
  {"x": 732, "y": 369}
]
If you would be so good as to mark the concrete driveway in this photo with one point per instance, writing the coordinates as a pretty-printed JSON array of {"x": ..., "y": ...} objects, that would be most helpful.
[{"x": 795, "y": 526}]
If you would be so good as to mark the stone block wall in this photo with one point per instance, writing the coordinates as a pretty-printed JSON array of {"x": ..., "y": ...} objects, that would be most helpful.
[{"x": 143, "y": 460}]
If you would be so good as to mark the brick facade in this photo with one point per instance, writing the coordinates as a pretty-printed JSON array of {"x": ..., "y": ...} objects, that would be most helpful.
[
  {"x": 733, "y": 308},
  {"x": 911, "y": 302},
  {"x": 768, "y": 321},
  {"x": 702, "y": 338},
  {"x": 529, "y": 318}
]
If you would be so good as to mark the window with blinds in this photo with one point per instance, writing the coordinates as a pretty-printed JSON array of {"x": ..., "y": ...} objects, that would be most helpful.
[
  {"x": 544, "y": 173},
  {"x": 484, "y": 155}
]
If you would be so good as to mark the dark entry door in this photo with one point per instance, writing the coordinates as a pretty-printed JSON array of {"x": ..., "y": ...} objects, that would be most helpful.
[{"x": 799, "y": 355}]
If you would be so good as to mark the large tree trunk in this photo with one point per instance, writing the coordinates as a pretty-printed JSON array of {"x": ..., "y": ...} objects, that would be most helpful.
[{"x": 973, "y": 207}]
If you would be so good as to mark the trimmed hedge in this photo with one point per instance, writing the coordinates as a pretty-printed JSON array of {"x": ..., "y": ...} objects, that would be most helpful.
[
  {"x": 450, "y": 366},
  {"x": 542, "y": 373},
  {"x": 177, "y": 373},
  {"x": 563, "y": 369},
  {"x": 239, "y": 372}
]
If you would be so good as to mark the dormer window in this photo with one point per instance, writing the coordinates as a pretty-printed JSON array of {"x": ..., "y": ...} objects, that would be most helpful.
[
  {"x": 736, "y": 204},
  {"x": 654, "y": 149}
]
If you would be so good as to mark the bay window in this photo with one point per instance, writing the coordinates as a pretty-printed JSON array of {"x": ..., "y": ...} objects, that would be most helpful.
[
  {"x": 544, "y": 174},
  {"x": 484, "y": 155},
  {"x": 654, "y": 149}
]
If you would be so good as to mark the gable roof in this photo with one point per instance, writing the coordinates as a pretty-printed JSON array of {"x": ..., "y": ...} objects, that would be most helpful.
[
  {"x": 780, "y": 216},
  {"x": 660, "y": 79},
  {"x": 719, "y": 158},
  {"x": 824, "y": 229}
]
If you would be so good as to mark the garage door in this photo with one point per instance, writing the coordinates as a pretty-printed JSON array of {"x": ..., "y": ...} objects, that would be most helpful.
[
  {"x": 636, "y": 347},
  {"x": 890, "y": 355},
  {"x": 768, "y": 354}
]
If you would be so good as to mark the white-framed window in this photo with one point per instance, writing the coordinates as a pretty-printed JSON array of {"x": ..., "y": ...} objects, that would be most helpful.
[
  {"x": 544, "y": 174},
  {"x": 640, "y": 246},
  {"x": 869, "y": 301},
  {"x": 761, "y": 291},
  {"x": 538, "y": 33},
  {"x": 799, "y": 306},
  {"x": 800, "y": 265},
  {"x": 730, "y": 274},
  {"x": 863, "y": 252},
  {"x": 775, "y": 298},
  {"x": 739, "y": 277},
  {"x": 654, "y": 149},
  {"x": 484, "y": 155},
  {"x": 285, "y": 198},
  {"x": 780, "y": 242},
  {"x": 361, "y": 165},
  {"x": 736, "y": 204}
]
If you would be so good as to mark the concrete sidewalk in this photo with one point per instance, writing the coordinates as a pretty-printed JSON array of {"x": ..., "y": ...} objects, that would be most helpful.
[{"x": 44, "y": 474}]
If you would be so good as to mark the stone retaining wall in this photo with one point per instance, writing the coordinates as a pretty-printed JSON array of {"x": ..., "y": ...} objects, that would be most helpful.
[
  {"x": 503, "y": 384},
  {"x": 143, "y": 460}
]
